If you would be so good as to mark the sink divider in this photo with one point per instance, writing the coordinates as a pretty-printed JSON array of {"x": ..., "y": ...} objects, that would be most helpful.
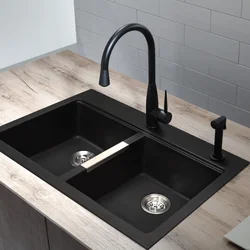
[
  {"x": 70, "y": 174},
  {"x": 102, "y": 157},
  {"x": 111, "y": 152}
]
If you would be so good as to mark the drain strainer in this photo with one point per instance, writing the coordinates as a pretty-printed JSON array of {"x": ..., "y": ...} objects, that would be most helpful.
[
  {"x": 78, "y": 158},
  {"x": 155, "y": 204}
]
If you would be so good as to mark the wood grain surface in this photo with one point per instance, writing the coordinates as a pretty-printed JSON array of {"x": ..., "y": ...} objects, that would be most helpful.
[{"x": 41, "y": 83}]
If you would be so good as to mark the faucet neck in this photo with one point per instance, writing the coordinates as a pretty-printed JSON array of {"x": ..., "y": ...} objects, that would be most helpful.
[
  {"x": 120, "y": 33},
  {"x": 153, "y": 112}
]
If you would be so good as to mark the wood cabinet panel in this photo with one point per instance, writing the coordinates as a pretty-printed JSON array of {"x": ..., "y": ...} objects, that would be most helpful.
[
  {"x": 60, "y": 240},
  {"x": 21, "y": 227}
]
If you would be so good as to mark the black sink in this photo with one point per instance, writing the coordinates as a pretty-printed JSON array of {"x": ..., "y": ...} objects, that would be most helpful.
[
  {"x": 52, "y": 138},
  {"x": 146, "y": 167},
  {"x": 166, "y": 161}
]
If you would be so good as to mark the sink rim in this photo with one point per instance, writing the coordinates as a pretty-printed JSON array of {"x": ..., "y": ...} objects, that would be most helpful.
[{"x": 135, "y": 120}]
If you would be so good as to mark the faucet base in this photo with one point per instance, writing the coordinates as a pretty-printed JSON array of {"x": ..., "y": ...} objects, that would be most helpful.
[
  {"x": 151, "y": 121},
  {"x": 213, "y": 157}
]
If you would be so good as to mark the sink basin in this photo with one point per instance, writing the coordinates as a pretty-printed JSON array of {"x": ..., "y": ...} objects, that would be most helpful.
[
  {"x": 145, "y": 167},
  {"x": 142, "y": 182},
  {"x": 52, "y": 138}
]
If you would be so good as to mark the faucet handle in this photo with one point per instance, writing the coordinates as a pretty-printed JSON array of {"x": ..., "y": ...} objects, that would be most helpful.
[
  {"x": 166, "y": 102},
  {"x": 163, "y": 115},
  {"x": 168, "y": 114}
]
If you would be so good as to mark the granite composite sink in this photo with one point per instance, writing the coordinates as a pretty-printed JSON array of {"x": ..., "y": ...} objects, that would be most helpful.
[
  {"x": 52, "y": 138},
  {"x": 146, "y": 167},
  {"x": 167, "y": 161}
]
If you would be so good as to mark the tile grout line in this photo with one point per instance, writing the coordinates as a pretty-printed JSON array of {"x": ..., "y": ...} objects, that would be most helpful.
[
  {"x": 236, "y": 101},
  {"x": 172, "y": 62},
  {"x": 170, "y": 20},
  {"x": 239, "y": 54},
  {"x": 184, "y": 45},
  {"x": 210, "y": 21},
  {"x": 241, "y": 8},
  {"x": 178, "y": 44}
]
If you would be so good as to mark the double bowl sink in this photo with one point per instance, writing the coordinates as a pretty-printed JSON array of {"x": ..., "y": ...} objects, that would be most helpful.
[{"x": 141, "y": 182}]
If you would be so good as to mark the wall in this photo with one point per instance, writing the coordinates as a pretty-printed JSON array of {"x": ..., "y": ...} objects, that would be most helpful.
[
  {"x": 73, "y": 48},
  {"x": 31, "y": 28},
  {"x": 202, "y": 46}
]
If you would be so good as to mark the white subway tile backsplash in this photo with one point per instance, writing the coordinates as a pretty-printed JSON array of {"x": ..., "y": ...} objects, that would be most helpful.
[
  {"x": 185, "y": 56},
  {"x": 212, "y": 44},
  {"x": 202, "y": 47},
  {"x": 126, "y": 53},
  {"x": 167, "y": 69},
  {"x": 230, "y": 72},
  {"x": 246, "y": 9},
  {"x": 245, "y": 54},
  {"x": 98, "y": 42},
  {"x": 137, "y": 40},
  {"x": 94, "y": 23},
  {"x": 162, "y": 28},
  {"x": 231, "y": 112},
  {"x": 134, "y": 72},
  {"x": 108, "y": 10},
  {"x": 232, "y": 7},
  {"x": 170, "y": 50},
  {"x": 243, "y": 100},
  {"x": 195, "y": 59},
  {"x": 143, "y": 60},
  {"x": 185, "y": 93},
  {"x": 95, "y": 56},
  {"x": 91, "y": 54},
  {"x": 91, "y": 40},
  {"x": 231, "y": 27},
  {"x": 210, "y": 86},
  {"x": 150, "y": 6},
  {"x": 185, "y": 13}
]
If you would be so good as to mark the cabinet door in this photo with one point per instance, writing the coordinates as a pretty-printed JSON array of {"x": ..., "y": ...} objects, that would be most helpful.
[
  {"x": 59, "y": 240},
  {"x": 21, "y": 227}
]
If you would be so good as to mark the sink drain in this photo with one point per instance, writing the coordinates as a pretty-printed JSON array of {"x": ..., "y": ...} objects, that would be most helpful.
[
  {"x": 155, "y": 204},
  {"x": 78, "y": 158}
]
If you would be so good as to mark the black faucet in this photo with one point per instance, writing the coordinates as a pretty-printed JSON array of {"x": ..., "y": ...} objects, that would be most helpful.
[
  {"x": 219, "y": 125},
  {"x": 153, "y": 112}
]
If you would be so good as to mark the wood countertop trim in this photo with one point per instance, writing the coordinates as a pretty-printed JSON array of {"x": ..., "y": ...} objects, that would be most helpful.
[{"x": 39, "y": 84}]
